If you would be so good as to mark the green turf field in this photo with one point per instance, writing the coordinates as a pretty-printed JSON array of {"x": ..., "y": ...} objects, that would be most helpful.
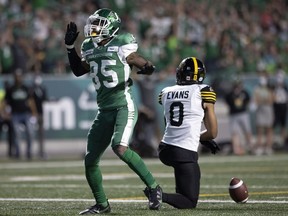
[{"x": 59, "y": 187}]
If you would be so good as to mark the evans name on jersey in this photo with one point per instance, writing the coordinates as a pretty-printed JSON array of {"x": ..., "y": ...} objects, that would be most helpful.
[{"x": 178, "y": 95}]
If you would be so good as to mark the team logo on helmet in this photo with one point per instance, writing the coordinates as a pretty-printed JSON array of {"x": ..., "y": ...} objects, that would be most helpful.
[{"x": 103, "y": 24}]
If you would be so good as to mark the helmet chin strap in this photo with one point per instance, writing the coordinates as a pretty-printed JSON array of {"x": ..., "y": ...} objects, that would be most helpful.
[
  {"x": 96, "y": 40},
  {"x": 101, "y": 42}
]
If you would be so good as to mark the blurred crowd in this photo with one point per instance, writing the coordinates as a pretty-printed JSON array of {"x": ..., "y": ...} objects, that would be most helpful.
[{"x": 232, "y": 36}]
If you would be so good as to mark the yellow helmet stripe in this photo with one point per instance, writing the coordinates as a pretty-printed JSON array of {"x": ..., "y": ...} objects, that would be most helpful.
[{"x": 196, "y": 68}]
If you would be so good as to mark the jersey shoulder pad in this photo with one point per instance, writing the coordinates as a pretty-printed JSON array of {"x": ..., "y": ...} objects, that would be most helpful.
[
  {"x": 208, "y": 95},
  {"x": 126, "y": 38}
]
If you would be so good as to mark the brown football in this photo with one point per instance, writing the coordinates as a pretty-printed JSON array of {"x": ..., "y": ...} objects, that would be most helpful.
[{"x": 238, "y": 190}]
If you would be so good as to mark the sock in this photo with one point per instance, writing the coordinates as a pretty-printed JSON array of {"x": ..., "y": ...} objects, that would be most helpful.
[
  {"x": 135, "y": 162},
  {"x": 94, "y": 179}
]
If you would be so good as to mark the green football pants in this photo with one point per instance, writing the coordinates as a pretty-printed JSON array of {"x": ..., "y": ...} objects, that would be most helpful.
[{"x": 109, "y": 127}]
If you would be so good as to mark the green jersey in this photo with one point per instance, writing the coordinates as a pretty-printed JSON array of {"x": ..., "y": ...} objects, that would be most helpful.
[{"x": 110, "y": 71}]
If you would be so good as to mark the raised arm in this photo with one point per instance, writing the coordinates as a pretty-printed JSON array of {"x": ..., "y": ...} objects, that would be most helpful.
[{"x": 78, "y": 67}]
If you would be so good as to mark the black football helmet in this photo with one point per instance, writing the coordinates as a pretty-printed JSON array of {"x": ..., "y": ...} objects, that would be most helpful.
[{"x": 190, "y": 71}]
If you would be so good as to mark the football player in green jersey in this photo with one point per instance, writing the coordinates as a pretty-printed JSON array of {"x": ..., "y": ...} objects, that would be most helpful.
[{"x": 108, "y": 57}]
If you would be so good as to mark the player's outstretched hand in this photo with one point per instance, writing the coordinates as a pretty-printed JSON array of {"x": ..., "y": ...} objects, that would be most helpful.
[
  {"x": 71, "y": 34},
  {"x": 212, "y": 145},
  {"x": 148, "y": 69}
]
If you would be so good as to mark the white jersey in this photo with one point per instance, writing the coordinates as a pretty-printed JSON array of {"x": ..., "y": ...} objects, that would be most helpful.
[{"x": 184, "y": 113}]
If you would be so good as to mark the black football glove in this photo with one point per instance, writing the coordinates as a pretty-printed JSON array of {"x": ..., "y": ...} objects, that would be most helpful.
[
  {"x": 71, "y": 34},
  {"x": 147, "y": 69},
  {"x": 212, "y": 145}
]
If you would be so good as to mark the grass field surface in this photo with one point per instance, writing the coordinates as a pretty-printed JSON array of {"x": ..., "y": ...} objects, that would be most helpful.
[{"x": 58, "y": 187}]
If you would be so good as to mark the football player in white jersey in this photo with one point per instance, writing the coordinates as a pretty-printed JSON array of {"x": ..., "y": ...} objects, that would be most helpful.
[{"x": 186, "y": 105}]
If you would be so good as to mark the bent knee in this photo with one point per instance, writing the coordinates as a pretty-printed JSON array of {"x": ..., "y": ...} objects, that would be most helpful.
[
  {"x": 189, "y": 205},
  {"x": 193, "y": 202},
  {"x": 119, "y": 150}
]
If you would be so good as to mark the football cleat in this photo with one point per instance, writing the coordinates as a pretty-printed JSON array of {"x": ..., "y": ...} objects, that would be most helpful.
[
  {"x": 96, "y": 209},
  {"x": 154, "y": 196}
]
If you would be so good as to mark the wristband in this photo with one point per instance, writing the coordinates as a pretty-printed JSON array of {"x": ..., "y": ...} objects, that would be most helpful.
[{"x": 70, "y": 46}]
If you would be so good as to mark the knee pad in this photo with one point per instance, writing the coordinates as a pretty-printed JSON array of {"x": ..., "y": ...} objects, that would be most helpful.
[{"x": 120, "y": 150}]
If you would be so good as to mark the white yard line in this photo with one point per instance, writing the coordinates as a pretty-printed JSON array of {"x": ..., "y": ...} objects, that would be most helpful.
[
  {"x": 119, "y": 176},
  {"x": 117, "y": 162},
  {"x": 131, "y": 200},
  {"x": 112, "y": 176},
  {"x": 19, "y": 185}
]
